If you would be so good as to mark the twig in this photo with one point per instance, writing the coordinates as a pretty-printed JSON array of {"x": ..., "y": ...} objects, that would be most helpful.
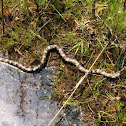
[{"x": 78, "y": 84}]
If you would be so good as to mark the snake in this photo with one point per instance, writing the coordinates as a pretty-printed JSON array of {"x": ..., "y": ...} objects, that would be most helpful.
[{"x": 63, "y": 56}]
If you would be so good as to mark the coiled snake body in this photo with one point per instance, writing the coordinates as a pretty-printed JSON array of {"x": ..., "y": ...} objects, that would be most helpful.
[{"x": 65, "y": 58}]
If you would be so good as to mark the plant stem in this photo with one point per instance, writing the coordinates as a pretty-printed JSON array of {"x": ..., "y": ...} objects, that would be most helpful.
[{"x": 78, "y": 84}]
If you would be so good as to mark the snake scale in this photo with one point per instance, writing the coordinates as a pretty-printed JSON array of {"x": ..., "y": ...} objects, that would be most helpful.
[{"x": 65, "y": 58}]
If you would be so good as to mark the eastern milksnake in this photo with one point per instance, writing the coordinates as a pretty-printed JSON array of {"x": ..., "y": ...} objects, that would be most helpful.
[{"x": 65, "y": 58}]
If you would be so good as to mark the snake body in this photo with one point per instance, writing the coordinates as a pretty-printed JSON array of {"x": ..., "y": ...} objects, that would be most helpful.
[{"x": 64, "y": 57}]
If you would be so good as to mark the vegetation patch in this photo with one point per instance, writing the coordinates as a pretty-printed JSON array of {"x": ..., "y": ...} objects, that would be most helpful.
[{"x": 81, "y": 28}]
